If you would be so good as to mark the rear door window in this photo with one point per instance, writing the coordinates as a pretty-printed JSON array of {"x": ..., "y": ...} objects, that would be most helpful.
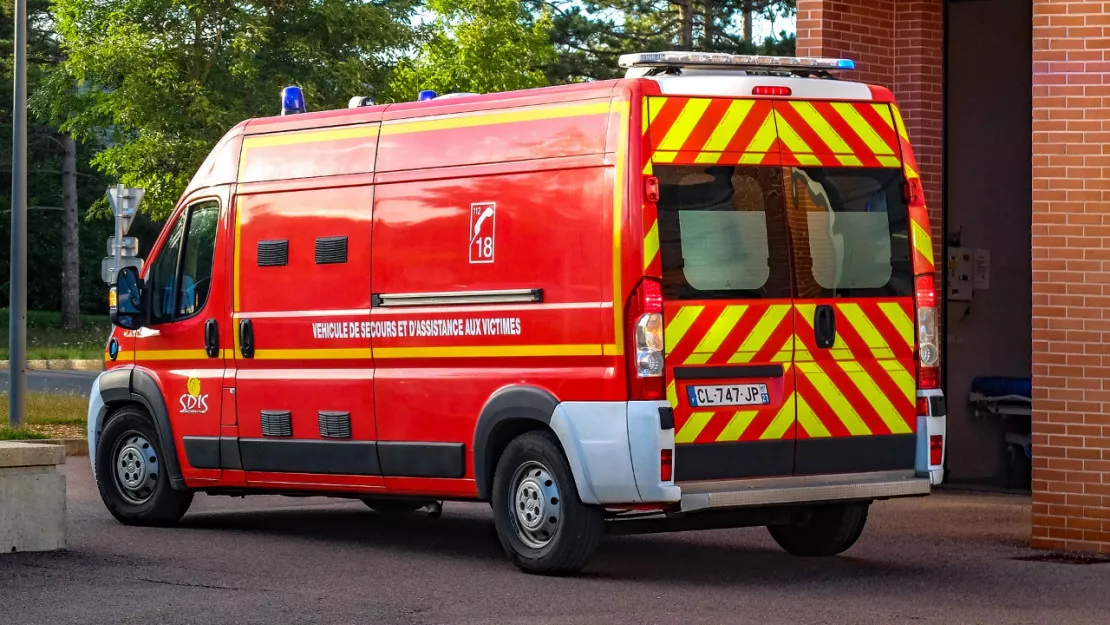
[
  {"x": 722, "y": 232},
  {"x": 850, "y": 232}
]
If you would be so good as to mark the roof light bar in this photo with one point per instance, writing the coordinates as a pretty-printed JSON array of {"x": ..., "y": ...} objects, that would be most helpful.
[{"x": 716, "y": 59}]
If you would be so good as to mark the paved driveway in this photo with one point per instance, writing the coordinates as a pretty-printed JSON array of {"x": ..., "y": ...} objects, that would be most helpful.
[{"x": 947, "y": 559}]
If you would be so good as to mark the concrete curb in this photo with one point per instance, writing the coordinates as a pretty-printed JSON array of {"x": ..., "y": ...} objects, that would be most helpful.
[
  {"x": 58, "y": 365},
  {"x": 73, "y": 446}
]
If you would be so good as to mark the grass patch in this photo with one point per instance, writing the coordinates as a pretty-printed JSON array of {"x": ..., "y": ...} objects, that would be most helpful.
[
  {"x": 19, "y": 434},
  {"x": 49, "y": 415},
  {"x": 46, "y": 340}
]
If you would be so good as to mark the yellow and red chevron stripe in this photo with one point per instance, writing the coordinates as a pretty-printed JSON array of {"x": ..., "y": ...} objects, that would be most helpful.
[
  {"x": 716, "y": 333},
  {"x": 863, "y": 386},
  {"x": 923, "y": 261},
  {"x": 762, "y": 132}
]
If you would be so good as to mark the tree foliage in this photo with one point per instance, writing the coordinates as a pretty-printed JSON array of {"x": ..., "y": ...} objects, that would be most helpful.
[
  {"x": 590, "y": 35},
  {"x": 160, "y": 81},
  {"x": 478, "y": 46}
]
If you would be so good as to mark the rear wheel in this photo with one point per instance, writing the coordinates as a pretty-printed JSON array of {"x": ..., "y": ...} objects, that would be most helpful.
[
  {"x": 393, "y": 506},
  {"x": 540, "y": 522},
  {"x": 131, "y": 473},
  {"x": 829, "y": 530}
]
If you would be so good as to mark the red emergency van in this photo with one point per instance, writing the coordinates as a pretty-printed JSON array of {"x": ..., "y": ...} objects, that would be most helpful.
[{"x": 698, "y": 296}]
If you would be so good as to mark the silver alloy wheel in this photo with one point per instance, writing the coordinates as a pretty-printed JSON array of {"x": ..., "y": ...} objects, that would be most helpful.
[
  {"x": 535, "y": 505},
  {"x": 136, "y": 468}
]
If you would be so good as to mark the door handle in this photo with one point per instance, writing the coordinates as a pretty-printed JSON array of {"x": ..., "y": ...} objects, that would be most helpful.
[
  {"x": 824, "y": 326},
  {"x": 212, "y": 338},
  {"x": 246, "y": 338}
]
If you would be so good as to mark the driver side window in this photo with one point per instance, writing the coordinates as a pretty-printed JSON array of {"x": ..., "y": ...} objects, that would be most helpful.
[{"x": 181, "y": 276}]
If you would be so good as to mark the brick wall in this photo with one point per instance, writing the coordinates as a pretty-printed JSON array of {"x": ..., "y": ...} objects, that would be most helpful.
[
  {"x": 1071, "y": 275},
  {"x": 898, "y": 45}
]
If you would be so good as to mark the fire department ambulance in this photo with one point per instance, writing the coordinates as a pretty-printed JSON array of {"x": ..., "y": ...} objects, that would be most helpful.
[{"x": 700, "y": 296}]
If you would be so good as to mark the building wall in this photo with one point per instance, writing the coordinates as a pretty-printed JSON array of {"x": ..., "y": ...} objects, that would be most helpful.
[
  {"x": 1071, "y": 275},
  {"x": 989, "y": 108}
]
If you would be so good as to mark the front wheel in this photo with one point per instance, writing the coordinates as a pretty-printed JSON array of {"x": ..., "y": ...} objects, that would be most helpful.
[
  {"x": 131, "y": 473},
  {"x": 830, "y": 530},
  {"x": 540, "y": 522}
]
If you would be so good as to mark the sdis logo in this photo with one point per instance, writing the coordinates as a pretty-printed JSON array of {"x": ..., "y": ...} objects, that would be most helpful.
[{"x": 193, "y": 402}]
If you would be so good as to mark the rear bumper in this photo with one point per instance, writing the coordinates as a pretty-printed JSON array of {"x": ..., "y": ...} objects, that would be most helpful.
[
  {"x": 614, "y": 449},
  {"x": 801, "y": 489}
]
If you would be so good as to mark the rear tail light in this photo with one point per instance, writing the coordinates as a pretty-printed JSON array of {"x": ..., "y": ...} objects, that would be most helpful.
[
  {"x": 936, "y": 449},
  {"x": 922, "y": 406},
  {"x": 928, "y": 351},
  {"x": 666, "y": 465},
  {"x": 645, "y": 338}
]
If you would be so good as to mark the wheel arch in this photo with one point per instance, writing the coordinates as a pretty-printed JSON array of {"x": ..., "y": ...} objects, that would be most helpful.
[
  {"x": 120, "y": 388},
  {"x": 510, "y": 412}
]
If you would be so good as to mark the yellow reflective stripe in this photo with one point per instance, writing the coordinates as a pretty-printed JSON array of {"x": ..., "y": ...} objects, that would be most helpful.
[
  {"x": 707, "y": 158},
  {"x": 619, "y": 184},
  {"x": 884, "y": 112},
  {"x": 841, "y": 407},
  {"x": 900, "y": 124},
  {"x": 487, "y": 351},
  {"x": 821, "y": 127},
  {"x": 890, "y": 161},
  {"x": 672, "y": 395},
  {"x": 801, "y": 354},
  {"x": 875, "y": 396},
  {"x": 171, "y": 354},
  {"x": 782, "y": 421},
  {"x": 684, "y": 125},
  {"x": 867, "y": 331},
  {"x": 489, "y": 118},
  {"x": 899, "y": 319},
  {"x": 678, "y": 326},
  {"x": 664, "y": 157},
  {"x": 308, "y": 136},
  {"x": 849, "y": 160},
  {"x": 762, "y": 141},
  {"x": 763, "y": 330},
  {"x": 235, "y": 268},
  {"x": 862, "y": 128},
  {"x": 717, "y": 334},
  {"x": 338, "y": 353},
  {"x": 903, "y": 379},
  {"x": 806, "y": 311},
  {"x": 693, "y": 426},
  {"x": 736, "y": 427},
  {"x": 737, "y": 111},
  {"x": 651, "y": 244},
  {"x": 921, "y": 241},
  {"x": 790, "y": 138},
  {"x": 809, "y": 421},
  {"x": 841, "y": 353}
]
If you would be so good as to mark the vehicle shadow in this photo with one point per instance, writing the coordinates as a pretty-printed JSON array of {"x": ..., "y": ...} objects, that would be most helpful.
[{"x": 694, "y": 558}]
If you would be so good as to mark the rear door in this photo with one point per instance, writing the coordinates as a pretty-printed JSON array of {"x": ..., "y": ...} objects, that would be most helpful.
[
  {"x": 724, "y": 251},
  {"x": 853, "y": 274}
]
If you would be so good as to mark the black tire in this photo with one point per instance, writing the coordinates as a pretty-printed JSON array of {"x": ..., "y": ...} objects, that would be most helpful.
[
  {"x": 130, "y": 434},
  {"x": 536, "y": 458},
  {"x": 830, "y": 530},
  {"x": 393, "y": 506}
]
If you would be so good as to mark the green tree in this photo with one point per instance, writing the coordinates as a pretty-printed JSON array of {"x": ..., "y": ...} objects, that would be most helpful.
[
  {"x": 478, "y": 46},
  {"x": 158, "y": 82},
  {"x": 589, "y": 35}
]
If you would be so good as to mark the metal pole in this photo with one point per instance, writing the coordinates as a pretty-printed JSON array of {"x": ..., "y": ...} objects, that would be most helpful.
[
  {"x": 119, "y": 232},
  {"x": 17, "y": 308}
]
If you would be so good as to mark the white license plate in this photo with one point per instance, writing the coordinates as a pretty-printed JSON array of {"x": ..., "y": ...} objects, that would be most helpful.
[{"x": 728, "y": 395}]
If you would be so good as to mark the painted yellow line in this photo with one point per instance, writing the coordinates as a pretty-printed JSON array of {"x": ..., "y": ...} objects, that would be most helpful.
[{"x": 318, "y": 135}]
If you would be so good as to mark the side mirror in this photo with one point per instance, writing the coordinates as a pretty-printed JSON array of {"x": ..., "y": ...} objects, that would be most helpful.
[{"x": 126, "y": 301}]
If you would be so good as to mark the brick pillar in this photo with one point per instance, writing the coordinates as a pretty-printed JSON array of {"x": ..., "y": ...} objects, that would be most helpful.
[
  {"x": 1071, "y": 275},
  {"x": 898, "y": 44}
]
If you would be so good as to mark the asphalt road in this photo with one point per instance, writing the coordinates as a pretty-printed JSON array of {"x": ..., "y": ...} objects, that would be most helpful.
[
  {"x": 947, "y": 559},
  {"x": 70, "y": 382}
]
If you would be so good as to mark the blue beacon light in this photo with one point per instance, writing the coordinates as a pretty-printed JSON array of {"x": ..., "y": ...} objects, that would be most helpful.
[
  {"x": 292, "y": 100},
  {"x": 426, "y": 94},
  {"x": 845, "y": 64}
]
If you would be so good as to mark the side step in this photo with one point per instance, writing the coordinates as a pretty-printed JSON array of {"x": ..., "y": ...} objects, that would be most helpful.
[{"x": 802, "y": 489}]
